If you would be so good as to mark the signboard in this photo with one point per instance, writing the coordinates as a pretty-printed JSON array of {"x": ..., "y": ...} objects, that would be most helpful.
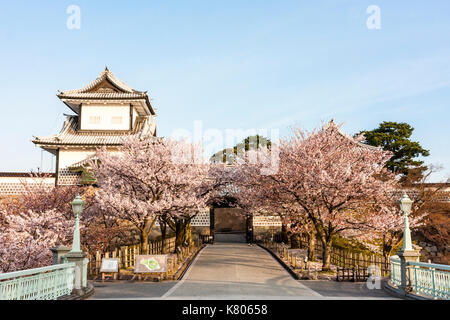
[
  {"x": 150, "y": 263},
  {"x": 110, "y": 265}
]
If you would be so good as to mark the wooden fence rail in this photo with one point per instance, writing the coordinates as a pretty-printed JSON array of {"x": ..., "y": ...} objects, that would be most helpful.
[
  {"x": 349, "y": 259},
  {"x": 352, "y": 274},
  {"x": 206, "y": 239},
  {"x": 291, "y": 258}
]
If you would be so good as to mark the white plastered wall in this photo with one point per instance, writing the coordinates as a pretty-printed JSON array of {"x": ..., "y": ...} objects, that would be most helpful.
[
  {"x": 69, "y": 157},
  {"x": 105, "y": 117},
  {"x": 134, "y": 115}
]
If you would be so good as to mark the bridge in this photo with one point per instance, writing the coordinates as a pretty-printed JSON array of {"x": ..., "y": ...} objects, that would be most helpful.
[
  {"x": 239, "y": 272},
  {"x": 225, "y": 270}
]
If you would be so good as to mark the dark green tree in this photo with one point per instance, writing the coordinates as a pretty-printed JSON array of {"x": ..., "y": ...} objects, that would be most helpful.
[
  {"x": 395, "y": 137},
  {"x": 250, "y": 143}
]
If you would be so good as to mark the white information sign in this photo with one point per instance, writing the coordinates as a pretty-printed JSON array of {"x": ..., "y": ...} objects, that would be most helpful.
[{"x": 110, "y": 265}]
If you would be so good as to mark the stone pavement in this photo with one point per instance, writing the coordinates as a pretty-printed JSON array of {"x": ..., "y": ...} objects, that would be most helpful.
[{"x": 236, "y": 271}]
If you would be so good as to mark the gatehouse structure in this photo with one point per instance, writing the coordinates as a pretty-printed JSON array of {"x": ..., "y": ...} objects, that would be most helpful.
[{"x": 105, "y": 111}]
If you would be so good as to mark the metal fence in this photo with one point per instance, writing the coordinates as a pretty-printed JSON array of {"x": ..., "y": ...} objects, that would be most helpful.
[
  {"x": 396, "y": 271},
  {"x": 427, "y": 279},
  {"x": 47, "y": 283},
  {"x": 430, "y": 279}
]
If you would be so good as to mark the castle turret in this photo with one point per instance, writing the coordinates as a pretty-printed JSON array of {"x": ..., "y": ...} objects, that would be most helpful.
[{"x": 106, "y": 110}]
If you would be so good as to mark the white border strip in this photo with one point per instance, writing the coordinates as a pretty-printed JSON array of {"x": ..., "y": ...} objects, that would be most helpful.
[{"x": 185, "y": 276}]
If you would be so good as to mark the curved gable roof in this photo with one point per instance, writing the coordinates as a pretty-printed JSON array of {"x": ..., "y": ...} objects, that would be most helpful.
[
  {"x": 346, "y": 136},
  {"x": 107, "y": 86},
  {"x": 105, "y": 75}
]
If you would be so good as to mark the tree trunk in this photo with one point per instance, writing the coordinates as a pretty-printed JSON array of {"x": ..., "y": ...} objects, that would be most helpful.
[
  {"x": 284, "y": 234},
  {"x": 312, "y": 246},
  {"x": 387, "y": 251},
  {"x": 295, "y": 241},
  {"x": 188, "y": 233},
  {"x": 144, "y": 242},
  {"x": 387, "y": 247},
  {"x": 326, "y": 255},
  {"x": 180, "y": 233},
  {"x": 145, "y": 234},
  {"x": 163, "y": 228},
  {"x": 386, "y": 255}
]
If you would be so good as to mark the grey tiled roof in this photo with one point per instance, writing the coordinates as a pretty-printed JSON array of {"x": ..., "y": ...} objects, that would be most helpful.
[
  {"x": 70, "y": 135},
  {"x": 360, "y": 144},
  {"x": 84, "y": 162},
  {"x": 102, "y": 95},
  {"x": 102, "y": 76},
  {"x": 27, "y": 174}
]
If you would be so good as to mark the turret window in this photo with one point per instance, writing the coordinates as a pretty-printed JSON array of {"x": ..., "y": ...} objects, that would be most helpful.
[
  {"x": 94, "y": 119},
  {"x": 116, "y": 120}
]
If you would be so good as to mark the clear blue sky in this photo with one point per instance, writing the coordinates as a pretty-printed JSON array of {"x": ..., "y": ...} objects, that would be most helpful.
[{"x": 231, "y": 64}]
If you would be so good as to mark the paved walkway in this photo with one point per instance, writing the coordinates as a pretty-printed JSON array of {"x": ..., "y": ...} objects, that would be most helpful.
[{"x": 236, "y": 271}]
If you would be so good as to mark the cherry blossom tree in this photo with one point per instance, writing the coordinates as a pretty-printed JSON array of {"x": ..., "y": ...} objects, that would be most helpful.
[
  {"x": 262, "y": 194},
  {"x": 215, "y": 189},
  {"x": 383, "y": 229},
  {"x": 26, "y": 238},
  {"x": 298, "y": 224},
  {"x": 329, "y": 175},
  {"x": 40, "y": 197},
  {"x": 35, "y": 221},
  {"x": 152, "y": 178},
  {"x": 47, "y": 207}
]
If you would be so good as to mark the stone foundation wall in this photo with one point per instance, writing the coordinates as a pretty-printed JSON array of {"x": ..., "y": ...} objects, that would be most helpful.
[
  {"x": 261, "y": 233},
  {"x": 265, "y": 227},
  {"x": 14, "y": 184},
  {"x": 201, "y": 230}
]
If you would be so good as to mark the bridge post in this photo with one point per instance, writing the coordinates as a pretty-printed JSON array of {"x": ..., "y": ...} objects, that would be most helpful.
[{"x": 59, "y": 253}]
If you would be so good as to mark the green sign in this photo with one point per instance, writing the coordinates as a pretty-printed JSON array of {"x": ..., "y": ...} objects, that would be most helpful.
[{"x": 151, "y": 263}]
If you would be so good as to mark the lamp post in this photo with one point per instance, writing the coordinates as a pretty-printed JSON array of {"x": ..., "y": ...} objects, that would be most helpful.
[
  {"x": 407, "y": 253},
  {"x": 405, "y": 204},
  {"x": 77, "y": 207}
]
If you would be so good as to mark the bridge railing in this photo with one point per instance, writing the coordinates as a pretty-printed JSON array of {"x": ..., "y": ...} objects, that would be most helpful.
[
  {"x": 427, "y": 279},
  {"x": 396, "y": 271},
  {"x": 47, "y": 283},
  {"x": 430, "y": 279}
]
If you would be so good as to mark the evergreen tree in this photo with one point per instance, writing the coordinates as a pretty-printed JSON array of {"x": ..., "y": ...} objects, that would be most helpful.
[
  {"x": 228, "y": 155},
  {"x": 395, "y": 137}
]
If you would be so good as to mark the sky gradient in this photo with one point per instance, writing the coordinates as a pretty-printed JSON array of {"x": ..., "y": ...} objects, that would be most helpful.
[{"x": 232, "y": 65}]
